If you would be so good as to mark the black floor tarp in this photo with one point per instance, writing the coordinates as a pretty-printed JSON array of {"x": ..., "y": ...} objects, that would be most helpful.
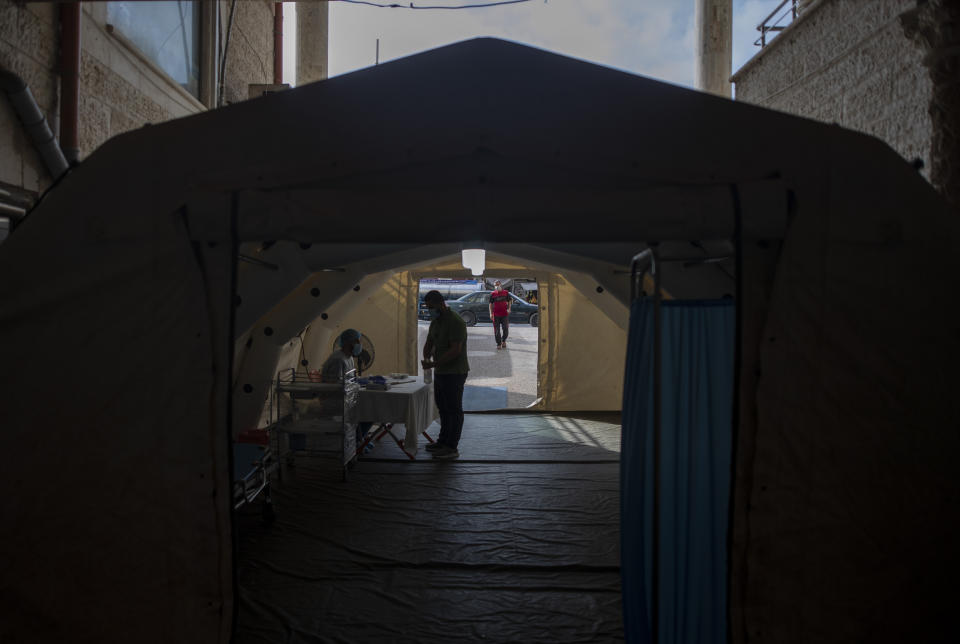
[{"x": 517, "y": 541}]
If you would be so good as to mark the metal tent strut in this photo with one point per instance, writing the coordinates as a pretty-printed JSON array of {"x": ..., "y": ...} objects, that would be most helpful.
[{"x": 650, "y": 260}]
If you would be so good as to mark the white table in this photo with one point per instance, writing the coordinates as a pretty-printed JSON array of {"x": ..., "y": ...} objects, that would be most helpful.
[{"x": 410, "y": 403}]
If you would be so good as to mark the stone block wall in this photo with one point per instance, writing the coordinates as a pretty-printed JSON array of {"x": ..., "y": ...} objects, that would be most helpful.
[
  {"x": 28, "y": 38},
  {"x": 119, "y": 89},
  {"x": 250, "y": 53},
  {"x": 848, "y": 62}
]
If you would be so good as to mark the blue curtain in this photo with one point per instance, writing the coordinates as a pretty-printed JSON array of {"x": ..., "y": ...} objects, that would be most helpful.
[{"x": 697, "y": 405}]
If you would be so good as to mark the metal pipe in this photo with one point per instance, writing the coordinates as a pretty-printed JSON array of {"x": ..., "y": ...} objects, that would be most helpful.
[
  {"x": 34, "y": 122},
  {"x": 763, "y": 28},
  {"x": 774, "y": 12},
  {"x": 277, "y": 43},
  {"x": 70, "y": 80},
  {"x": 736, "y": 411},
  {"x": 687, "y": 263},
  {"x": 10, "y": 211},
  {"x": 257, "y": 262},
  {"x": 223, "y": 58},
  {"x": 650, "y": 255},
  {"x": 228, "y": 372},
  {"x": 657, "y": 430},
  {"x": 641, "y": 257},
  {"x": 699, "y": 259}
]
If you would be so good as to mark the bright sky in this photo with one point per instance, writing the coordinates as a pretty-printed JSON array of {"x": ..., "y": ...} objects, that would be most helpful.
[{"x": 649, "y": 37}]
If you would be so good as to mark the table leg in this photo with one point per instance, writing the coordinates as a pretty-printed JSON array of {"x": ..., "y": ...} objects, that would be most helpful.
[
  {"x": 372, "y": 435},
  {"x": 387, "y": 428}
]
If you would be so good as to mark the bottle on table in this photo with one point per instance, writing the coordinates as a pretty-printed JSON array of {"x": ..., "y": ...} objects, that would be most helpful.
[{"x": 427, "y": 376}]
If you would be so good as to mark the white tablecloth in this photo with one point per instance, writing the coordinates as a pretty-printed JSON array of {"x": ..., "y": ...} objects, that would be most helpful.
[{"x": 410, "y": 403}]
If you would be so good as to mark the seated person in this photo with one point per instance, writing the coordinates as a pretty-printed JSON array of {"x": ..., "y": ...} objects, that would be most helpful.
[
  {"x": 341, "y": 360},
  {"x": 339, "y": 363}
]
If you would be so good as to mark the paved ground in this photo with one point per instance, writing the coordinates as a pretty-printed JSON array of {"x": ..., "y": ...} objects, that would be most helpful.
[{"x": 498, "y": 378}]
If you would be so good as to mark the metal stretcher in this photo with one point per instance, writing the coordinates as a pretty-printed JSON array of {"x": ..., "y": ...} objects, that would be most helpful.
[
  {"x": 321, "y": 418},
  {"x": 252, "y": 466}
]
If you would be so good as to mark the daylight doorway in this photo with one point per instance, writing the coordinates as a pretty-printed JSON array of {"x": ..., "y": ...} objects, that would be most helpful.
[{"x": 501, "y": 377}]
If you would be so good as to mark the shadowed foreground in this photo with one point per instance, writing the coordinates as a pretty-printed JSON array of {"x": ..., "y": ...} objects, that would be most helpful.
[{"x": 516, "y": 541}]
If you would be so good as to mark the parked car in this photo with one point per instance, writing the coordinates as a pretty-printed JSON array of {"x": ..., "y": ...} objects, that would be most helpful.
[
  {"x": 422, "y": 310},
  {"x": 474, "y": 307}
]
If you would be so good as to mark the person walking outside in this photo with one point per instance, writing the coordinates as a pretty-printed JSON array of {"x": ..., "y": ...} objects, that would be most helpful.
[
  {"x": 445, "y": 351},
  {"x": 499, "y": 305}
]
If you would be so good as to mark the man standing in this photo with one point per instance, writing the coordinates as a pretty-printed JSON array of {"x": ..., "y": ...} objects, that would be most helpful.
[
  {"x": 499, "y": 305},
  {"x": 445, "y": 351}
]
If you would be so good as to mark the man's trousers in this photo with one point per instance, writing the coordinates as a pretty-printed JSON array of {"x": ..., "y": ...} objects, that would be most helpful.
[{"x": 448, "y": 394}]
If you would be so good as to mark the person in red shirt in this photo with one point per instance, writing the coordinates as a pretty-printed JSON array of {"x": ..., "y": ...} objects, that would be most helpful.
[{"x": 500, "y": 301}]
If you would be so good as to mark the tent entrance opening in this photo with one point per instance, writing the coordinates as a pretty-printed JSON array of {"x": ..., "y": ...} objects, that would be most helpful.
[{"x": 504, "y": 357}]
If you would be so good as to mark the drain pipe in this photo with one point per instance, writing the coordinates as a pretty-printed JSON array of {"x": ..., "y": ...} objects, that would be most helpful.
[
  {"x": 277, "y": 43},
  {"x": 223, "y": 55},
  {"x": 34, "y": 122},
  {"x": 70, "y": 80}
]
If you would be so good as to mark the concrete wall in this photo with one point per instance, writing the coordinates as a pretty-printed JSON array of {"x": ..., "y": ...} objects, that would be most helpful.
[
  {"x": 313, "y": 19},
  {"x": 848, "y": 62},
  {"x": 28, "y": 36},
  {"x": 250, "y": 53},
  {"x": 119, "y": 88}
]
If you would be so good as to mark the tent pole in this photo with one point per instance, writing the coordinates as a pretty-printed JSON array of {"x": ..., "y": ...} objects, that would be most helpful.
[
  {"x": 232, "y": 337},
  {"x": 657, "y": 429},
  {"x": 636, "y": 279},
  {"x": 735, "y": 416},
  {"x": 651, "y": 255}
]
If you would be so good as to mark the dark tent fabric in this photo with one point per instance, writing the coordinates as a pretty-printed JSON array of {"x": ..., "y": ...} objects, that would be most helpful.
[{"x": 845, "y": 494}]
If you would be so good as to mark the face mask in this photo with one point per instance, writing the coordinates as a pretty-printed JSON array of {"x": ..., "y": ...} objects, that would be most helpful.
[
  {"x": 434, "y": 314},
  {"x": 357, "y": 349}
]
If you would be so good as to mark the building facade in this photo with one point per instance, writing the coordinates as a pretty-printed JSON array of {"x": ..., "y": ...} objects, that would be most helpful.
[
  {"x": 139, "y": 63},
  {"x": 871, "y": 66}
]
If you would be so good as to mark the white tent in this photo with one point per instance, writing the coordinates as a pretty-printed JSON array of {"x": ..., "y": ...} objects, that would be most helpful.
[
  {"x": 382, "y": 302},
  {"x": 129, "y": 336}
]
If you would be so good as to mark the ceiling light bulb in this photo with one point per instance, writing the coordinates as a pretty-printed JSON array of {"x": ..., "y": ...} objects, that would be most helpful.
[{"x": 475, "y": 259}]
